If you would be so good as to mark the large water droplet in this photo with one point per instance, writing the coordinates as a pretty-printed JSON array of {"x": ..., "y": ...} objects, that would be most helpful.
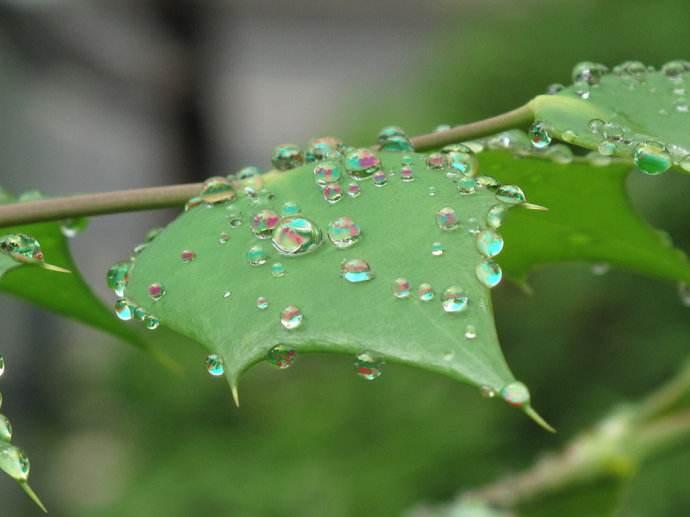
[
  {"x": 463, "y": 162},
  {"x": 215, "y": 365},
  {"x": 652, "y": 158},
  {"x": 287, "y": 156},
  {"x": 282, "y": 356},
  {"x": 489, "y": 273},
  {"x": 343, "y": 232},
  {"x": 489, "y": 243},
  {"x": 362, "y": 163},
  {"x": 401, "y": 288},
  {"x": 5, "y": 429},
  {"x": 510, "y": 194},
  {"x": 324, "y": 147},
  {"x": 333, "y": 193},
  {"x": 14, "y": 462},
  {"x": 256, "y": 256},
  {"x": 217, "y": 190},
  {"x": 263, "y": 224},
  {"x": 296, "y": 236},
  {"x": 515, "y": 394},
  {"x": 156, "y": 291},
  {"x": 123, "y": 310},
  {"x": 368, "y": 365},
  {"x": 454, "y": 299},
  {"x": 291, "y": 317},
  {"x": 21, "y": 247},
  {"x": 356, "y": 271},
  {"x": 327, "y": 172},
  {"x": 447, "y": 219},
  {"x": 425, "y": 292},
  {"x": 117, "y": 277},
  {"x": 539, "y": 136}
]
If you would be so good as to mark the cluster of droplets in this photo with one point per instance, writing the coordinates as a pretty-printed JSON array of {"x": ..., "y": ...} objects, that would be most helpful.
[{"x": 12, "y": 459}]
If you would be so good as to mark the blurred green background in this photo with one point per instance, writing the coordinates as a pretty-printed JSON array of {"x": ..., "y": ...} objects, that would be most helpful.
[{"x": 111, "y": 96}]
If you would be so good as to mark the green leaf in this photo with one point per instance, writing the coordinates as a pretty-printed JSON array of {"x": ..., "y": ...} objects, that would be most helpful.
[
  {"x": 15, "y": 464},
  {"x": 650, "y": 105},
  {"x": 590, "y": 219},
  {"x": 398, "y": 229}
]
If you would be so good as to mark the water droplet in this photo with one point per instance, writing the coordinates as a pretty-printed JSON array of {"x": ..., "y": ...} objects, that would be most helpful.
[
  {"x": 437, "y": 249},
  {"x": 186, "y": 256},
  {"x": 652, "y": 158},
  {"x": 488, "y": 182},
  {"x": 291, "y": 317},
  {"x": 139, "y": 313},
  {"x": 215, "y": 365},
  {"x": 21, "y": 247},
  {"x": 554, "y": 88},
  {"x": 569, "y": 136},
  {"x": 588, "y": 72},
  {"x": 407, "y": 174},
  {"x": 282, "y": 356},
  {"x": 598, "y": 160},
  {"x": 463, "y": 162},
  {"x": 227, "y": 294},
  {"x": 296, "y": 236},
  {"x": 356, "y": 271},
  {"x": 460, "y": 148},
  {"x": 489, "y": 243},
  {"x": 441, "y": 128},
  {"x": 217, "y": 190},
  {"x": 332, "y": 193},
  {"x": 487, "y": 392},
  {"x": 432, "y": 191},
  {"x": 454, "y": 299},
  {"x": 489, "y": 273},
  {"x": 514, "y": 139},
  {"x": 327, "y": 172},
  {"x": 515, "y": 394},
  {"x": 290, "y": 208},
  {"x": 151, "y": 322},
  {"x": 263, "y": 224},
  {"x": 324, "y": 147},
  {"x": 447, "y": 219},
  {"x": 607, "y": 147},
  {"x": 510, "y": 194},
  {"x": 600, "y": 268},
  {"x": 368, "y": 365},
  {"x": 256, "y": 256},
  {"x": 223, "y": 237},
  {"x": 401, "y": 288},
  {"x": 287, "y": 156},
  {"x": 343, "y": 232},
  {"x": 156, "y": 291},
  {"x": 15, "y": 463},
  {"x": 117, "y": 277},
  {"x": 379, "y": 178},
  {"x": 425, "y": 292},
  {"x": 2, "y": 365},
  {"x": 539, "y": 136},
  {"x": 362, "y": 163},
  {"x": 685, "y": 163},
  {"x": 262, "y": 303},
  {"x": 560, "y": 153},
  {"x": 277, "y": 269},
  {"x": 470, "y": 332},
  {"x": 675, "y": 69},
  {"x": 234, "y": 216},
  {"x": 397, "y": 144},
  {"x": 5, "y": 429},
  {"x": 354, "y": 190},
  {"x": 123, "y": 310},
  {"x": 72, "y": 227},
  {"x": 246, "y": 173},
  {"x": 683, "y": 293},
  {"x": 466, "y": 185},
  {"x": 436, "y": 161},
  {"x": 448, "y": 356},
  {"x": 596, "y": 126}
]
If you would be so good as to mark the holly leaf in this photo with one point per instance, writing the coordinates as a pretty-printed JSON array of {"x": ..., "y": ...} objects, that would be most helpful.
[
  {"x": 620, "y": 111},
  {"x": 196, "y": 277}
]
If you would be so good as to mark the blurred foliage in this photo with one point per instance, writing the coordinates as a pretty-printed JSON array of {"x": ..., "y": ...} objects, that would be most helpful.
[{"x": 316, "y": 440}]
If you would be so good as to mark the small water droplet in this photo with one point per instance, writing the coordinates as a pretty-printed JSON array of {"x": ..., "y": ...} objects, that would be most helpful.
[
  {"x": 287, "y": 156},
  {"x": 343, "y": 232},
  {"x": 600, "y": 268},
  {"x": 596, "y": 126},
  {"x": 554, "y": 88},
  {"x": 123, "y": 310},
  {"x": 282, "y": 356},
  {"x": 156, "y": 291},
  {"x": 327, "y": 172},
  {"x": 448, "y": 356},
  {"x": 151, "y": 322},
  {"x": 510, "y": 194},
  {"x": 2, "y": 365},
  {"x": 5, "y": 429},
  {"x": 436, "y": 161},
  {"x": 487, "y": 392},
  {"x": 466, "y": 185},
  {"x": 612, "y": 131},
  {"x": 296, "y": 236},
  {"x": 368, "y": 365},
  {"x": 256, "y": 256},
  {"x": 607, "y": 147},
  {"x": 432, "y": 191},
  {"x": 215, "y": 365},
  {"x": 569, "y": 136},
  {"x": 401, "y": 288},
  {"x": 447, "y": 219},
  {"x": 515, "y": 394},
  {"x": 262, "y": 303},
  {"x": 217, "y": 190},
  {"x": 487, "y": 182},
  {"x": 437, "y": 249},
  {"x": 362, "y": 163},
  {"x": 425, "y": 292},
  {"x": 463, "y": 162},
  {"x": 139, "y": 313},
  {"x": 278, "y": 269},
  {"x": 290, "y": 208},
  {"x": 406, "y": 174},
  {"x": 489, "y": 273},
  {"x": 560, "y": 153},
  {"x": 117, "y": 277},
  {"x": 356, "y": 271},
  {"x": 539, "y": 136},
  {"x": 263, "y": 224},
  {"x": 15, "y": 463},
  {"x": 454, "y": 300},
  {"x": 234, "y": 216},
  {"x": 291, "y": 317},
  {"x": 598, "y": 160},
  {"x": 683, "y": 294},
  {"x": 324, "y": 147},
  {"x": 187, "y": 256},
  {"x": 652, "y": 158},
  {"x": 489, "y": 243},
  {"x": 589, "y": 72},
  {"x": 388, "y": 132},
  {"x": 674, "y": 70},
  {"x": 470, "y": 332},
  {"x": 72, "y": 227},
  {"x": 379, "y": 178},
  {"x": 397, "y": 144},
  {"x": 354, "y": 190},
  {"x": 332, "y": 193},
  {"x": 495, "y": 215}
]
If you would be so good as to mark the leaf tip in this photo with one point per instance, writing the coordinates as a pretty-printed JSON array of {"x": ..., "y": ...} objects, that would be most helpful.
[
  {"x": 235, "y": 394},
  {"x": 51, "y": 267},
  {"x": 531, "y": 412},
  {"x": 32, "y": 495},
  {"x": 532, "y": 206}
]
